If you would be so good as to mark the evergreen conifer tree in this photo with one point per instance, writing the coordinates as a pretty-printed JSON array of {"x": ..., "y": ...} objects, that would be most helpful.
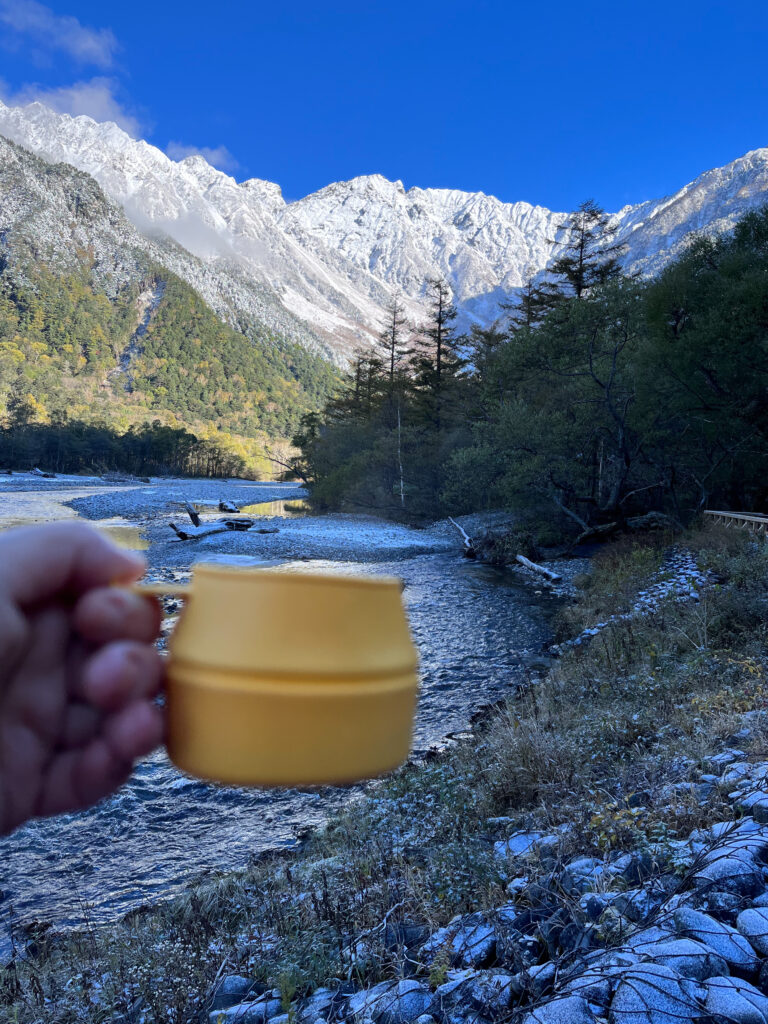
[
  {"x": 437, "y": 363},
  {"x": 534, "y": 302},
  {"x": 589, "y": 257}
]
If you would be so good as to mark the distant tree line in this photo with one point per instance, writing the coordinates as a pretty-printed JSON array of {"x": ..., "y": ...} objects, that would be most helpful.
[
  {"x": 149, "y": 450},
  {"x": 594, "y": 398}
]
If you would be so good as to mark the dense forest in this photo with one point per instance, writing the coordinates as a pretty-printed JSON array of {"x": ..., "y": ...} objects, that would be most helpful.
[
  {"x": 594, "y": 399},
  {"x": 89, "y": 381}
]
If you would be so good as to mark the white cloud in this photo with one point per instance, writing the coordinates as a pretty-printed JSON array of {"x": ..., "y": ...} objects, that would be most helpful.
[
  {"x": 50, "y": 31},
  {"x": 95, "y": 97},
  {"x": 218, "y": 156}
]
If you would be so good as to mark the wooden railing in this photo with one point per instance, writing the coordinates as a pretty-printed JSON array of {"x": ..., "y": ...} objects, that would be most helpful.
[{"x": 755, "y": 521}]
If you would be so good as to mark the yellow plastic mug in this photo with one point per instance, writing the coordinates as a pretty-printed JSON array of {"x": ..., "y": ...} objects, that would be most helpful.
[{"x": 289, "y": 679}]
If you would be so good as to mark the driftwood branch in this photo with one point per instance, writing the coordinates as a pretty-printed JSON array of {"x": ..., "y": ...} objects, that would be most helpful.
[
  {"x": 469, "y": 547},
  {"x": 542, "y": 570},
  {"x": 192, "y": 513}
]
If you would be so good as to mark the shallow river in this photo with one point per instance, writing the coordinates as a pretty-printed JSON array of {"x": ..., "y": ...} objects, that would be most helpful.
[{"x": 477, "y": 630}]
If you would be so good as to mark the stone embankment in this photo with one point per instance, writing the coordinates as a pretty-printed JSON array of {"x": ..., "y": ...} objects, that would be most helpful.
[{"x": 669, "y": 934}]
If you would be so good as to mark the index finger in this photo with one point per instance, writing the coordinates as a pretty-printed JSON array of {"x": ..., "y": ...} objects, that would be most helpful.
[{"x": 39, "y": 562}]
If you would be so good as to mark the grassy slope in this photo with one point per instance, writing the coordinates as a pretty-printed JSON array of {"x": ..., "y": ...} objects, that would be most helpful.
[{"x": 609, "y": 721}]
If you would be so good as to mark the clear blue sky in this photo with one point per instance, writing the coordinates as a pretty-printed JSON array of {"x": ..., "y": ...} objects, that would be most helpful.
[{"x": 548, "y": 102}]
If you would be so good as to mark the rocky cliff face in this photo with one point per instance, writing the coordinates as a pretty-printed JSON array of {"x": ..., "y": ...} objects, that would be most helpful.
[{"x": 323, "y": 268}]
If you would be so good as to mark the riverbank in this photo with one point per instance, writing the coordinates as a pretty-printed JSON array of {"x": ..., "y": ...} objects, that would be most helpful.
[{"x": 572, "y": 847}]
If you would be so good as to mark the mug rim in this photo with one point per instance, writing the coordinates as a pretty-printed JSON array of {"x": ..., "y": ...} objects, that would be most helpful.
[{"x": 216, "y": 569}]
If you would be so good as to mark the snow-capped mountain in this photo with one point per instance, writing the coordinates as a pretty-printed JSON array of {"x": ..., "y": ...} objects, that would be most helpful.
[{"x": 324, "y": 268}]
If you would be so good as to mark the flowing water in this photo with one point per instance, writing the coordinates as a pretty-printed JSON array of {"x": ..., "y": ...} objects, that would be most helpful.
[{"x": 477, "y": 630}]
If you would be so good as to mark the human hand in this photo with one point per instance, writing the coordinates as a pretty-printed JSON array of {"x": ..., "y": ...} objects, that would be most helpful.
[{"x": 78, "y": 671}]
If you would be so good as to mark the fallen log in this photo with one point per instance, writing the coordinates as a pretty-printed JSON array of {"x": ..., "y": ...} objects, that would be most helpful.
[
  {"x": 196, "y": 532},
  {"x": 238, "y": 524},
  {"x": 219, "y": 526},
  {"x": 542, "y": 570},
  {"x": 469, "y": 547},
  {"x": 39, "y": 472}
]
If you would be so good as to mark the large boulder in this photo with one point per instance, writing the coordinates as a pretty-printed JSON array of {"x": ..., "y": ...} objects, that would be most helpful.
[
  {"x": 566, "y": 1010},
  {"x": 404, "y": 1003},
  {"x": 233, "y": 988},
  {"x": 254, "y": 1012},
  {"x": 724, "y": 940},
  {"x": 735, "y": 1001},
  {"x": 753, "y": 925},
  {"x": 654, "y": 994},
  {"x": 688, "y": 957}
]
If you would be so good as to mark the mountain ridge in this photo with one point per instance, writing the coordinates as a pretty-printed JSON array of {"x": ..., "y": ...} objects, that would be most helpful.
[{"x": 323, "y": 268}]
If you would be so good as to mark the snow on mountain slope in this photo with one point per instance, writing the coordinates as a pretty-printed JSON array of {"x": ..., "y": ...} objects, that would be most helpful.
[
  {"x": 657, "y": 231},
  {"x": 50, "y": 212},
  {"x": 334, "y": 259}
]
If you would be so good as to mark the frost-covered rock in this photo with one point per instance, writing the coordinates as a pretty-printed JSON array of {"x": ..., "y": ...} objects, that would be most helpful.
[
  {"x": 565, "y": 1010},
  {"x": 230, "y": 990},
  {"x": 524, "y": 844},
  {"x": 734, "y": 874},
  {"x": 727, "y": 942},
  {"x": 753, "y": 925},
  {"x": 469, "y": 940},
  {"x": 688, "y": 957},
  {"x": 316, "y": 1006},
  {"x": 654, "y": 994},
  {"x": 405, "y": 1002},
  {"x": 735, "y": 1001},
  {"x": 584, "y": 874},
  {"x": 256, "y": 1012}
]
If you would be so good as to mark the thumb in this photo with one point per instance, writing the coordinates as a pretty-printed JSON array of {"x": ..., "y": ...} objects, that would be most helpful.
[{"x": 39, "y": 562}]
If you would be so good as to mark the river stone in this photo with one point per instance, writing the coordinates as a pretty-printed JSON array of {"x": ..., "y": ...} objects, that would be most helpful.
[
  {"x": 567, "y": 1010},
  {"x": 403, "y": 1003},
  {"x": 688, "y": 957},
  {"x": 723, "y": 905},
  {"x": 724, "y": 940},
  {"x": 492, "y": 993},
  {"x": 317, "y": 1005},
  {"x": 731, "y": 873},
  {"x": 753, "y": 925},
  {"x": 638, "y": 904},
  {"x": 230, "y": 990},
  {"x": 654, "y": 994},
  {"x": 362, "y": 1003},
  {"x": 474, "y": 943},
  {"x": 632, "y": 867},
  {"x": 257, "y": 1012},
  {"x": 736, "y": 1001},
  {"x": 583, "y": 874},
  {"x": 471, "y": 941},
  {"x": 643, "y": 942},
  {"x": 521, "y": 844}
]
